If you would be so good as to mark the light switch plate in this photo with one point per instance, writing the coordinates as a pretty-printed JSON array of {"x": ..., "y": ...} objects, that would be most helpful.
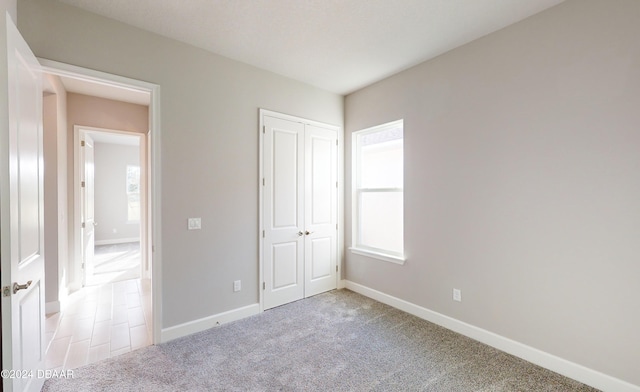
[{"x": 195, "y": 224}]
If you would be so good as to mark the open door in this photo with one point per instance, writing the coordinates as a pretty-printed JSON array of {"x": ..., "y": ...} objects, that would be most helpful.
[
  {"x": 87, "y": 197},
  {"x": 21, "y": 218}
]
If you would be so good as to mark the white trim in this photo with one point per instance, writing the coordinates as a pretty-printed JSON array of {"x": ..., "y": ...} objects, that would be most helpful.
[
  {"x": 548, "y": 361},
  {"x": 154, "y": 194},
  {"x": 378, "y": 255},
  {"x": 118, "y": 241},
  {"x": 52, "y": 307},
  {"x": 202, "y": 324},
  {"x": 340, "y": 208}
]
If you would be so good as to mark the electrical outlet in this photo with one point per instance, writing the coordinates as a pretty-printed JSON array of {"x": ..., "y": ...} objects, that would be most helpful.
[
  {"x": 457, "y": 295},
  {"x": 237, "y": 285},
  {"x": 194, "y": 224}
]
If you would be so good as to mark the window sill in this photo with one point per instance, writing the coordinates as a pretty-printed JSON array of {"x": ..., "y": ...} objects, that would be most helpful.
[{"x": 380, "y": 256}]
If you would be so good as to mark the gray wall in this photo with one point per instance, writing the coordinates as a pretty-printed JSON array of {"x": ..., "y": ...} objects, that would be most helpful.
[
  {"x": 522, "y": 183},
  {"x": 9, "y": 6},
  {"x": 210, "y": 139},
  {"x": 111, "y": 203}
]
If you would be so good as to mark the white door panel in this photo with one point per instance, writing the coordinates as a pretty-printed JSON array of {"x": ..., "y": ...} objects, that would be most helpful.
[
  {"x": 21, "y": 173},
  {"x": 286, "y": 178},
  {"x": 283, "y": 249},
  {"x": 320, "y": 256},
  {"x": 299, "y": 210},
  {"x": 321, "y": 210},
  {"x": 285, "y": 265}
]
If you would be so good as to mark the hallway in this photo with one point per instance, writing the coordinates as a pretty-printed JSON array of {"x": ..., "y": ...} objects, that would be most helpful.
[{"x": 99, "y": 322}]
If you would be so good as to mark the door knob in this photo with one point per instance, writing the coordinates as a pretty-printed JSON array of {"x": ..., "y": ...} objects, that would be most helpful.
[
  {"x": 17, "y": 287},
  {"x": 300, "y": 234},
  {"x": 308, "y": 232}
]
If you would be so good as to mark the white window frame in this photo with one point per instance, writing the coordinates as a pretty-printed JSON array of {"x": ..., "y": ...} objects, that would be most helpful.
[{"x": 357, "y": 248}]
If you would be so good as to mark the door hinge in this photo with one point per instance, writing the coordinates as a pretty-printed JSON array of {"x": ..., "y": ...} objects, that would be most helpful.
[
  {"x": 6, "y": 291},
  {"x": 264, "y": 129},
  {"x": 82, "y": 265},
  {"x": 336, "y": 226},
  {"x": 262, "y": 233},
  {"x": 336, "y": 142},
  {"x": 336, "y": 184},
  {"x": 262, "y": 181},
  {"x": 336, "y": 268},
  {"x": 82, "y": 184},
  {"x": 81, "y": 143},
  {"x": 83, "y": 225},
  {"x": 264, "y": 285}
]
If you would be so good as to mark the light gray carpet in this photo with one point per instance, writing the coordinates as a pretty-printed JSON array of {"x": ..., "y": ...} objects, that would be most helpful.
[{"x": 337, "y": 341}]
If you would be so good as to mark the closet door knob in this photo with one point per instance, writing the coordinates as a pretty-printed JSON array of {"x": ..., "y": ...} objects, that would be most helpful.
[
  {"x": 308, "y": 232},
  {"x": 300, "y": 234}
]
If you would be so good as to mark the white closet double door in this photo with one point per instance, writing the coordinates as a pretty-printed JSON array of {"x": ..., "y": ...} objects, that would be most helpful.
[{"x": 299, "y": 247}]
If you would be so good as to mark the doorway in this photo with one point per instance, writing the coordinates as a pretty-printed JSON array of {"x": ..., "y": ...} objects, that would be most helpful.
[
  {"x": 111, "y": 205},
  {"x": 110, "y": 306},
  {"x": 299, "y": 208}
]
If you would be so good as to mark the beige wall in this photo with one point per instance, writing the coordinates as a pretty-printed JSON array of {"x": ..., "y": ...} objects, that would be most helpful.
[
  {"x": 522, "y": 184},
  {"x": 50, "y": 157},
  {"x": 209, "y": 119},
  {"x": 55, "y": 190}
]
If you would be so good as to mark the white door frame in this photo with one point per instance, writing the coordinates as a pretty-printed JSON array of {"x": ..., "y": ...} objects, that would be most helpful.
[
  {"x": 340, "y": 210},
  {"x": 78, "y": 132},
  {"x": 153, "y": 165}
]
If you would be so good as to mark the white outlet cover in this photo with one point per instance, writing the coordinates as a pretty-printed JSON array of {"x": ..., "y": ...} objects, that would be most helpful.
[
  {"x": 457, "y": 295},
  {"x": 237, "y": 285},
  {"x": 194, "y": 224}
]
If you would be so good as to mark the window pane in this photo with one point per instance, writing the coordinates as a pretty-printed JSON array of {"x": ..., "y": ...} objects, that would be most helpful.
[
  {"x": 381, "y": 162},
  {"x": 133, "y": 193},
  {"x": 381, "y": 219},
  {"x": 133, "y": 207}
]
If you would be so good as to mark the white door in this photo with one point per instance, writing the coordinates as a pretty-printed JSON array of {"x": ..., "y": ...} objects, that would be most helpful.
[
  {"x": 283, "y": 251},
  {"x": 87, "y": 197},
  {"x": 21, "y": 218},
  {"x": 299, "y": 210},
  {"x": 321, "y": 193}
]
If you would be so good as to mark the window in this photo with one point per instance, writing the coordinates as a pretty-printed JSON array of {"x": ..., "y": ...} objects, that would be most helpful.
[
  {"x": 378, "y": 183},
  {"x": 133, "y": 193}
]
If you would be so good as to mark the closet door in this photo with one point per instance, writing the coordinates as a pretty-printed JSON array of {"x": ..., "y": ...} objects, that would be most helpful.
[
  {"x": 299, "y": 210},
  {"x": 283, "y": 211},
  {"x": 320, "y": 218}
]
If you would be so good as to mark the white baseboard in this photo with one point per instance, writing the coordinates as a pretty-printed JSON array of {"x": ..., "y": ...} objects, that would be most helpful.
[
  {"x": 117, "y": 241},
  {"x": 52, "y": 307},
  {"x": 191, "y": 327},
  {"x": 556, "y": 364},
  {"x": 342, "y": 284}
]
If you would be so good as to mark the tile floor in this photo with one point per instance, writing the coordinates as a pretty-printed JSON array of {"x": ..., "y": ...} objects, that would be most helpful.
[
  {"x": 115, "y": 262},
  {"x": 99, "y": 322}
]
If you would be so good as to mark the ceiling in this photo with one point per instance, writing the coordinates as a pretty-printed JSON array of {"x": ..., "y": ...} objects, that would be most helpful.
[
  {"x": 337, "y": 45},
  {"x": 114, "y": 138}
]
